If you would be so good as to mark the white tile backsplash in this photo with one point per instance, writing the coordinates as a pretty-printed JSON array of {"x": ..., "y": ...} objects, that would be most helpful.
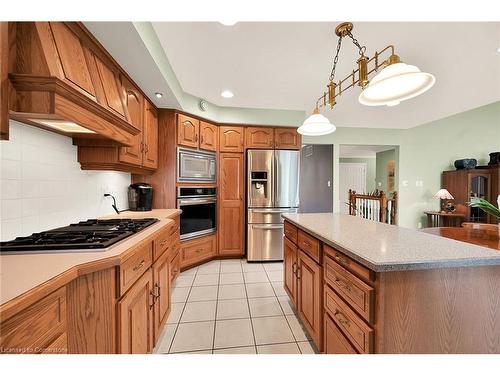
[{"x": 42, "y": 186}]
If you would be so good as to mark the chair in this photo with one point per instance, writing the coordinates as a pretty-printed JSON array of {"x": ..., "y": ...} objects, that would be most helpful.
[
  {"x": 481, "y": 226},
  {"x": 374, "y": 206}
]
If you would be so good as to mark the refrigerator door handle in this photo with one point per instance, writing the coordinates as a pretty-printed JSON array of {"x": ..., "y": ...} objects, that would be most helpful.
[
  {"x": 276, "y": 179},
  {"x": 267, "y": 226}
]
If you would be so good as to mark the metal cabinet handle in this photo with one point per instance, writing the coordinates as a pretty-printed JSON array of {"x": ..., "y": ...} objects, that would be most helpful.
[
  {"x": 156, "y": 291},
  {"x": 201, "y": 139},
  {"x": 139, "y": 266},
  {"x": 297, "y": 273},
  {"x": 146, "y": 148},
  {"x": 341, "y": 260},
  {"x": 294, "y": 268},
  {"x": 339, "y": 315},
  {"x": 196, "y": 137}
]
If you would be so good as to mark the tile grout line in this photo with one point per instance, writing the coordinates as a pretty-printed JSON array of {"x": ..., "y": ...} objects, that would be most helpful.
[
  {"x": 250, "y": 313},
  {"x": 216, "y": 306}
]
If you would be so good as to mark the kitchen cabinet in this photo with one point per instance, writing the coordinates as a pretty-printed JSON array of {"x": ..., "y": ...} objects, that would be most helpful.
[
  {"x": 161, "y": 293},
  {"x": 289, "y": 269},
  {"x": 259, "y": 137},
  {"x": 150, "y": 137},
  {"x": 134, "y": 102},
  {"x": 335, "y": 342},
  {"x": 4, "y": 80},
  {"x": 231, "y": 138},
  {"x": 135, "y": 317},
  {"x": 287, "y": 139},
  {"x": 188, "y": 131},
  {"x": 197, "y": 250},
  {"x": 310, "y": 296},
  {"x": 209, "y": 136},
  {"x": 231, "y": 204}
]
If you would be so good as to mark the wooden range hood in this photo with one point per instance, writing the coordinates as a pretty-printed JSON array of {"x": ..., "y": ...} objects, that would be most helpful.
[{"x": 63, "y": 80}]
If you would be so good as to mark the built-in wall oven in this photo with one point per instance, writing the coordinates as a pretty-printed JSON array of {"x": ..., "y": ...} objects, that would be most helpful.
[
  {"x": 199, "y": 210},
  {"x": 196, "y": 166}
]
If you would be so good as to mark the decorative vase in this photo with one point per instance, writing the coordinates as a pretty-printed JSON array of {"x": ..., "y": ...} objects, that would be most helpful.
[
  {"x": 494, "y": 158},
  {"x": 465, "y": 163}
]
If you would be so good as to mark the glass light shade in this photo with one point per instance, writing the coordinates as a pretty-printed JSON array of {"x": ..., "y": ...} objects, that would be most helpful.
[
  {"x": 443, "y": 194},
  {"x": 395, "y": 83},
  {"x": 316, "y": 124}
]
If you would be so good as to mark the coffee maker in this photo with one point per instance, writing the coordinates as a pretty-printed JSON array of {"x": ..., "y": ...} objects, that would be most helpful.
[{"x": 140, "y": 197}]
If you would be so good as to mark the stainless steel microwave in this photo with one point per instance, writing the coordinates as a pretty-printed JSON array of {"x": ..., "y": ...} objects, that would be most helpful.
[{"x": 196, "y": 166}]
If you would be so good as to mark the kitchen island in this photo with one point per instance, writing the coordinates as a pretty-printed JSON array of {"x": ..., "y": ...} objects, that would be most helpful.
[{"x": 365, "y": 287}]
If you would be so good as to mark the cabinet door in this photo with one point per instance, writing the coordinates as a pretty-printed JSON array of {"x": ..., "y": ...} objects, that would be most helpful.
[
  {"x": 334, "y": 340},
  {"x": 188, "y": 129},
  {"x": 309, "y": 296},
  {"x": 259, "y": 137},
  {"x": 231, "y": 210},
  {"x": 4, "y": 80},
  {"x": 287, "y": 138},
  {"x": 208, "y": 136},
  {"x": 289, "y": 266},
  {"x": 161, "y": 279},
  {"x": 135, "y": 319},
  {"x": 231, "y": 138},
  {"x": 150, "y": 138},
  {"x": 175, "y": 263},
  {"x": 134, "y": 103},
  {"x": 198, "y": 250},
  {"x": 111, "y": 89}
]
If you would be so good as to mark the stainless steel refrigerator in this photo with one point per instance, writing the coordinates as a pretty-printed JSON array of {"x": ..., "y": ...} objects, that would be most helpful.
[{"x": 272, "y": 189}]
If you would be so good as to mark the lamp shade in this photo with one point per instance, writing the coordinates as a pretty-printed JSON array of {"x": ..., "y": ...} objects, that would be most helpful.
[
  {"x": 395, "y": 83},
  {"x": 443, "y": 194},
  {"x": 316, "y": 124}
]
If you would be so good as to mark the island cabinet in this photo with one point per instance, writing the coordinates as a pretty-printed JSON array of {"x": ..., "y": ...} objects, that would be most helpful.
[{"x": 112, "y": 305}]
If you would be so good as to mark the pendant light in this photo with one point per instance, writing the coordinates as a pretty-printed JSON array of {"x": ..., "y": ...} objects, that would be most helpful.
[
  {"x": 316, "y": 125},
  {"x": 395, "y": 83}
]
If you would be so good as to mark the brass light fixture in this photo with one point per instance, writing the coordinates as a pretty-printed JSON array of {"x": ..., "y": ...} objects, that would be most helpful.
[{"x": 396, "y": 82}]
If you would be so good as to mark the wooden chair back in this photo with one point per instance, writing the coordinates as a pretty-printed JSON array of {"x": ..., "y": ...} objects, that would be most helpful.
[{"x": 374, "y": 206}]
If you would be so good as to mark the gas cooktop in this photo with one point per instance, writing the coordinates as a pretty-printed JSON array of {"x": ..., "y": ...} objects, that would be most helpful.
[{"x": 91, "y": 234}]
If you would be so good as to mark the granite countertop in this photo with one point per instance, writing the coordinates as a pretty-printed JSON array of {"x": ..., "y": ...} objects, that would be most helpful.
[
  {"x": 383, "y": 247},
  {"x": 20, "y": 273}
]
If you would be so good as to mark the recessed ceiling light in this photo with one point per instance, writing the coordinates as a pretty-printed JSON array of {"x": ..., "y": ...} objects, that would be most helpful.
[
  {"x": 158, "y": 95},
  {"x": 226, "y": 94},
  {"x": 228, "y": 23}
]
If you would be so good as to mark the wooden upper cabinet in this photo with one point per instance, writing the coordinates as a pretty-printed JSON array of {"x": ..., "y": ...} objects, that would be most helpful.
[
  {"x": 287, "y": 138},
  {"x": 231, "y": 207},
  {"x": 231, "y": 138},
  {"x": 188, "y": 131},
  {"x": 134, "y": 102},
  {"x": 259, "y": 137},
  {"x": 209, "y": 135},
  {"x": 150, "y": 137},
  {"x": 72, "y": 58},
  {"x": 135, "y": 317}
]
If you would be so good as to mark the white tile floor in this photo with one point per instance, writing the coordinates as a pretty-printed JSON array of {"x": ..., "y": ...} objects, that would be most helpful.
[{"x": 233, "y": 307}]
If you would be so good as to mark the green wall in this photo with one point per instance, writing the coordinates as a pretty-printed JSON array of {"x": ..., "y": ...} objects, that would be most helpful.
[
  {"x": 381, "y": 169},
  {"x": 370, "y": 170},
  {"x": 423, "y": 152}
]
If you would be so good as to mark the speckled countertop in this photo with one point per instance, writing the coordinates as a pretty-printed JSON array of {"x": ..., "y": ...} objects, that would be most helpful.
[
  {"x": 20, "y": 273},
  {"x": 383, "y": 247}
]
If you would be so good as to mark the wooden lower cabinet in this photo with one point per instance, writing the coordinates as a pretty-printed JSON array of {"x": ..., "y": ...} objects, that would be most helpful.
[
  {"x": 197, "y": 250},
  {"x": 161, "y": 293},
  {"x": 310, "y": 296},
  {"x": 289, "y": 269},
  {"x": 334, "y": 340},
  {"x": 135, "y": 317}
]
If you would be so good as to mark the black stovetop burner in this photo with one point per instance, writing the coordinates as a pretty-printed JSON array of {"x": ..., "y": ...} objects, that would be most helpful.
[{"x": 90, "y": 234}]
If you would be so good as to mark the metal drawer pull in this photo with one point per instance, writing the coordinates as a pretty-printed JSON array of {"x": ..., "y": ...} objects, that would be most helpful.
[
  {"x": 341, "y": 260},
  {"x": 140, "y": 265},
  {"x": 297, "y": 273},
  {"x": 156, "y": 291},
  {"x": 294, "y": 268},
  {"x": 344, "y": 321}
]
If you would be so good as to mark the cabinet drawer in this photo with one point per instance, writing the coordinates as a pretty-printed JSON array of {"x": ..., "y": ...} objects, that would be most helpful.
[
  {"x": 358, "y": 294},
  {"x": 39, "y": 328},
  {"x": 135, "y": 265},
  {"x": 334, "y": 340},
  {"x": 358, "y": 332},
  {"x": 309, "y": 245},
  {"x": 175, "y": 265},
  {"x": 291, "y": 232},
  {"x": 348, "y": 263},
  {"x": 162, "y": 242},
  {"x": 197, "y": 250}
]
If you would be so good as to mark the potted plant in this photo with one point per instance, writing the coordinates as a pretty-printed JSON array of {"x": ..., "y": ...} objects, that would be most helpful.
[{"x": 487, "y": 207}]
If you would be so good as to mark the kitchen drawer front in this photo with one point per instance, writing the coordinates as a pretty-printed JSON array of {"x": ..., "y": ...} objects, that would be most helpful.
[
  {"x": 162, "y": 241},
  {"x": 349, "y": 264},
  {"x": 135, "y": 265},
  {"x": 175, "y": 264},
  {"x": 357, "y": 293},
  {"x": 310, "y": 245},
  {"x": 334, "y": 341},
  {"x": 176, "y": 226},
  {"x": 358, "y": 332},
  {"x": 291, "y": 232},
  {"x": 39, "y": 328},
  {"x": 197, "y": 250}
]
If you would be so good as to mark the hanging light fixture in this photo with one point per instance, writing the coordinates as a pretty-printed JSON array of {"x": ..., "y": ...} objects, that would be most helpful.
[{"x": 396, "y": 82}]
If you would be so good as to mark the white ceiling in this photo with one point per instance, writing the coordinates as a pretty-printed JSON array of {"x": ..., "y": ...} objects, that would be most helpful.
[
  {"x": 362, "y": 151},
  {"x": 285, "y": 65}
]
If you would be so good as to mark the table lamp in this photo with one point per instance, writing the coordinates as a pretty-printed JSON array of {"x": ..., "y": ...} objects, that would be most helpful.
[{"x": 444, "y": 195}]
